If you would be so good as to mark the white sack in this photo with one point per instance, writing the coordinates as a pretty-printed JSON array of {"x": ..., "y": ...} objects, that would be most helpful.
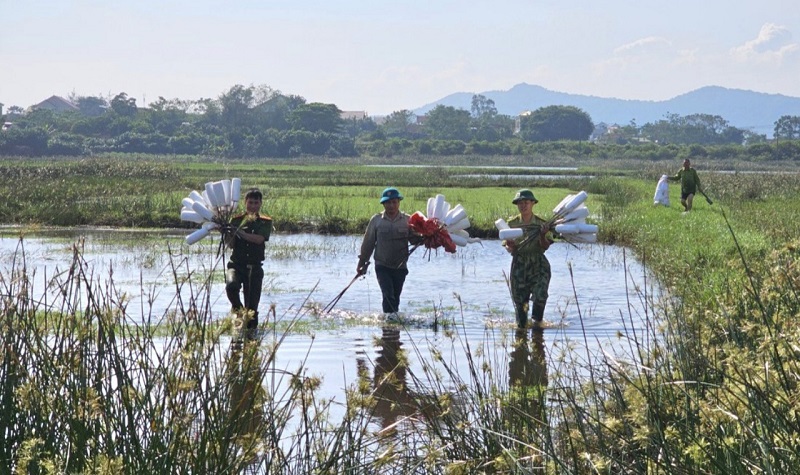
[{"x": 661, "y": 196}]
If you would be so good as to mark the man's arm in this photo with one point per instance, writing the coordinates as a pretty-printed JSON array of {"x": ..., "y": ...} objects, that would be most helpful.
[
  {"x": 367, "y": 246},
  {"x": 252, "y": 238}
]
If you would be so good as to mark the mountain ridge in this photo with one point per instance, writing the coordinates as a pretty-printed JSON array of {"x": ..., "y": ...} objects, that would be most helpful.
[{"x": 745, "y": 109}]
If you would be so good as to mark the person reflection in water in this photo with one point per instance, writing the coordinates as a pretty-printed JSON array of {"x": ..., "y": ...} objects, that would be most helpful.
[
  {"x": 527, "y": 381},
  {"x": 247, "y": 395},
  {"x": 392, "y": 398}
]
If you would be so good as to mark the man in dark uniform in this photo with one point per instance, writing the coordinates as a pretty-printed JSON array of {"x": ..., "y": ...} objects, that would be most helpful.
[{"x": 247, "y": 236}]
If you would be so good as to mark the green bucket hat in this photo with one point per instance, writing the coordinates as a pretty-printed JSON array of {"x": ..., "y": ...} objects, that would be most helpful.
[
  {"x": 524, "y": 195},
  {"x": 390, "y": 194}
]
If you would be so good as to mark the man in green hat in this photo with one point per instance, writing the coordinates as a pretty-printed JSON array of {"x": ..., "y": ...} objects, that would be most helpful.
[
  {"x": 387, "y": 237},
  {"x": 530, "y": 269}
]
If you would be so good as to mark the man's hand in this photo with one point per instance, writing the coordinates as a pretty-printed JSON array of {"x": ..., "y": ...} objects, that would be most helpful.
[
  {"x": 228, "y": 235},
  {"x": 362, "y": 268}
]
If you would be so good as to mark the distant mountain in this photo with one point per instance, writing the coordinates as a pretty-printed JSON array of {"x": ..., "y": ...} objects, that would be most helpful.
[{"x": 749, "y": 110}]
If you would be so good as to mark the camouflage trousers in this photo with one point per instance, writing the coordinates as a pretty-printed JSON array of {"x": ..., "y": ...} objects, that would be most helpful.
[{"x": 530, "y": 280}]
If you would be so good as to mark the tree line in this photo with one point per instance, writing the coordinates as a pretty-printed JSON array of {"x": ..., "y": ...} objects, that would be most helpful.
[{"x": 260, "y": 122}]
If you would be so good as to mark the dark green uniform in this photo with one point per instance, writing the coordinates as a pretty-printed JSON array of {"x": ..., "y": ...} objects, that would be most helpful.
[
  {"x": 690, "y": 182},
  {"x": 530, "y": 271},
  {"x": 244, "y": 267}
]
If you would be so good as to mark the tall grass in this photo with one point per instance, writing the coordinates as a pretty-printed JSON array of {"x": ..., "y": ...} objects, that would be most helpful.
[{"x": 709, "y": 385}]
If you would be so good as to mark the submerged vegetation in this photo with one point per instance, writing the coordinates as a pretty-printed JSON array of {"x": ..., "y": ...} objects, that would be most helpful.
[{"x": 710, "y": 387}]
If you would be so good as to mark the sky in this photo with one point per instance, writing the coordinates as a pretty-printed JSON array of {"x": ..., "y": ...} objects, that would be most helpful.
[{"x": 382, "y": 56}]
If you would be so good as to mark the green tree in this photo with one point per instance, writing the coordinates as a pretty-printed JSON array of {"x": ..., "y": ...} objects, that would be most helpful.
[
  {"x": 355, "y": 127},
  {"x": 90, "y": 106},
  {"x": 316, "y": 117},
  {"x": 482, "y": 108},
  {"x": 124, "y": 106},
  {"x": 274, "y": 112},
  {"x": 448, "y": 123},
  {"x": 235, "y": 107},
  {"x": 168, "y": 117},
  {"x": 556, "y": 123},
  {"x": 704, "y": 129},
  {"x": 787, "y": 127},
  {"x": 398, "y": 124}
]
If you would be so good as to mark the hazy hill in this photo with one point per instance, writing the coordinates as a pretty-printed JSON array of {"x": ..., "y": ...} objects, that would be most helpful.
[{"x": 749, "y": 110}]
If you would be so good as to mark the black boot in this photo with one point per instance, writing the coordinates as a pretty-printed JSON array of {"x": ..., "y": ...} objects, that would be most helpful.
[
  {"x": 538, "y": 311},
  {"x": 251, "y": 330},
  {"x": 522, "y": 314}
]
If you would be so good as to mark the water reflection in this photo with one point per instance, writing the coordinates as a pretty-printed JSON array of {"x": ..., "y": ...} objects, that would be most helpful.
[
  {"x": 527, "y": 366},
  {"x": 390, "y": 387},
  {"x": 525, "y": 415},
  {"x": 155, "y": 272},
  {"x": 246, "y": 393}
]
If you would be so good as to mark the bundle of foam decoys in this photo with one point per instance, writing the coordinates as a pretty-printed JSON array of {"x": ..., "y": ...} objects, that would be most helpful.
[
  {"x": 212, "y": 208},
  {"x": 443, "y": 226},
  {"x": 568, "y": 221}
]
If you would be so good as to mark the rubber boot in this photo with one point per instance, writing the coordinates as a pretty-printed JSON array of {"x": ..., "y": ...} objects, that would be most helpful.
[
  {"x": 251, "y": 331},
  {"x": 538, "y": 312},
  {"x": 522, "y": 315}
]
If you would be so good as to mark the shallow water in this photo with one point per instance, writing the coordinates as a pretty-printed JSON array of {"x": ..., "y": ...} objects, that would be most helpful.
[{"x": 304, "y": 272}]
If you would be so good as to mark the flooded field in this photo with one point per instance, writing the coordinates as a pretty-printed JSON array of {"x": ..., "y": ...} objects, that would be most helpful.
[{"x": 596, "y": 294}]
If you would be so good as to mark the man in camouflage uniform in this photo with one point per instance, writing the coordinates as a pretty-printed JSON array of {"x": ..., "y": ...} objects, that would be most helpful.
[{"x": 530, "y": 269}]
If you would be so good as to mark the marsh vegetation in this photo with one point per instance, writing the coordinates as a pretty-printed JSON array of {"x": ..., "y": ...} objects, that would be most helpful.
[{"x": 708, "y": 386}]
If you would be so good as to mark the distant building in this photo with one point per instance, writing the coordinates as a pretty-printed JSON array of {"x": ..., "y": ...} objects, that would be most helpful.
[
  {"x": 518, "y": 121},
  {"x": 55, "y": 104},
  {"x": 7, "y": 125},
  {"x": 1, "y": 108},
  {"x": 353, "y": 115}
]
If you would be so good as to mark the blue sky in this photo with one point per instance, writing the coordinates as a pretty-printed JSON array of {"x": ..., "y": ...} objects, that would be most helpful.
[{"x": 383, "y": 56}]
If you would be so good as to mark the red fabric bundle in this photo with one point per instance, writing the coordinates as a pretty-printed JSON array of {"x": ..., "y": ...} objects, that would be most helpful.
[{"x": 433, "y": 233}]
